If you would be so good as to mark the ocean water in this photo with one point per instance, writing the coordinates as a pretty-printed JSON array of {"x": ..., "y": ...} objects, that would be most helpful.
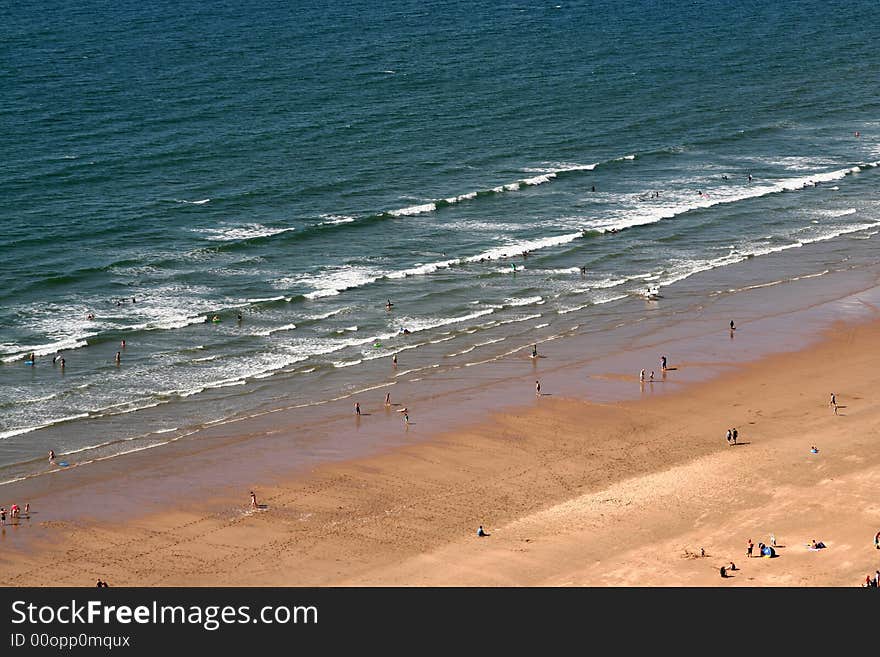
[{"x": 503, "y": 173}]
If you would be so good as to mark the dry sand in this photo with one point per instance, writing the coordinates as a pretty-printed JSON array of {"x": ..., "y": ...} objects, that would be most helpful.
[{"x": 571, "y": 493}]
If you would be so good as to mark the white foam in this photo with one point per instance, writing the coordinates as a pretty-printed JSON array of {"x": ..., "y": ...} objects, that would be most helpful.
[
  {"x": 265, "y": 299},
  {"x": 414, "y": 210},
  {"x": 277, "y": 329},
  {"x": 334, "y": 219},
  {"x": 517, "y": 248},
  {"x": 332, "y": 281},
  {"x": 347, "y": 363},
  {"x": 639, "y": 214},
  {"x": 513, "y": 301},
  {"x": 235, "y": 233},
  {"x": 23, "y": 430},
  {"x": 68, "y": 344}
]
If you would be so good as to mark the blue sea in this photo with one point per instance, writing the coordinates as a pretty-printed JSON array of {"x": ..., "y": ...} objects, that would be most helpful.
[{"x": 503, "y": 173}]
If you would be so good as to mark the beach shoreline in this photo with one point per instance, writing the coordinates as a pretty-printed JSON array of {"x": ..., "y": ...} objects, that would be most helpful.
[{"x": 540, "y": 471}]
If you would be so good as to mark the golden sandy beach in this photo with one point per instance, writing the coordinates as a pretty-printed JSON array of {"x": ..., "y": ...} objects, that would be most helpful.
[{"x": 572, "y": 494}]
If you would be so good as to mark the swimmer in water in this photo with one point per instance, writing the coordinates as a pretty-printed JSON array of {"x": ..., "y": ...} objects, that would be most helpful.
[
  {"x": 51, "y": 455},
  {"x": 394, "y": 360},
  {"x": 750, "y": 177},
  {"x": 122, "y": 344},
  {"x": 389, "y": 305},
  {"x": 118, "y": 357}
]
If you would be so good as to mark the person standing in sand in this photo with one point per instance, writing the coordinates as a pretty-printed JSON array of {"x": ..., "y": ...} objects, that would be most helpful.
[
  {"x": 537, "y": 388},
  {"x": 651, "y": 379},
  {"x": 833, "y": 403},
  {"x": 729, "y": 437},
  {"x": 642, "y": 376},
  {"x": 534, "y": 351},
  {"x": 749, "y": 547},
  {"x": 662, "y": 363},
  {"x": 406, "y": 418},
  {"x": 253, "y": 500},
  {"x": 357, "y": 409}
]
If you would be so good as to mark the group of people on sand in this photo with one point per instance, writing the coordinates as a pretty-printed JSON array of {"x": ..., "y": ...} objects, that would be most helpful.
[
  {"x": 732, "y": 434},
  {"x": 387, "y": 403},
  {"x": 650, "y": 378},
  {"x": 14, "y": 513}
]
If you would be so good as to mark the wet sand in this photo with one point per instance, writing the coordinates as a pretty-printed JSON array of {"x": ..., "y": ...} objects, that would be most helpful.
[{"x": 571, "y": 493}]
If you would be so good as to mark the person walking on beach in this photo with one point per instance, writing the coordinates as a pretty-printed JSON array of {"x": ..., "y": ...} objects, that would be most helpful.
[
  {"x": 51, "y": 455},
  {"x": 732, "y": 327},
  {"x": 734, "y": 433},
  {"x": 663, "y": 363},
  {"x": 253, "y": 500},
  {"x": 729, "y": 436},
  {"x": 387, "y": 399},
  {"x": 651, "y": 379},
  {"x": 749, "y": 547},
  {"x": 406, "y": 419},
  {"x": 2, "y": 515},
  {"x": 833, "y": 403},
  {"x": 537, "y": 388},
  {"x": 642, "y": 376},
  {"x": 394, "y": 360},
  {"x": 357, "y": 409},
  {"x": 534, "y": 351}
]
